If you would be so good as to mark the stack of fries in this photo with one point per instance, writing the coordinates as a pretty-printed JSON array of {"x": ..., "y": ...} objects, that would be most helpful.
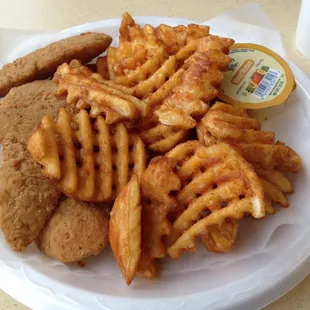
[{"x": 131, "y": 143}]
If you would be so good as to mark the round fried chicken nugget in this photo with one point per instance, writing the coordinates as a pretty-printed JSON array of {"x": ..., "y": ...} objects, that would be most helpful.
[{"x": 77, "y": 230}]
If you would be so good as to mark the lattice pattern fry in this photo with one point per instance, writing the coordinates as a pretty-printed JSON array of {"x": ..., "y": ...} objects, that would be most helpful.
[
  {"x": 86, "y": 158},
  {"x": 233, "y": 125},
  {"x": 216, "y": 183},
  {"x": 86, "y": 89}
]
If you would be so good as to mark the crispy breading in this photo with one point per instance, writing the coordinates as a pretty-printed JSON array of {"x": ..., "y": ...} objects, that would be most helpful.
[
  {"x": 76, "y": 230},
  {"x": 43, "y": 62},
  {"x": 23, "y": 108},
  {"x": 27, "y": 199}
]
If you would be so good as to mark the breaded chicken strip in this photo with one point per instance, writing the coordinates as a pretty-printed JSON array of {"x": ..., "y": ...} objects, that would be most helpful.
[
  {"x": 26, "y": 198},
  {"x": 43, "y": 62},
  {"x": 77, "y": 230},
  {"x": 23, "y": 108}
]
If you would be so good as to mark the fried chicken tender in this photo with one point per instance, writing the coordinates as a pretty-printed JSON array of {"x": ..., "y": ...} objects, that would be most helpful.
[
  {"x": 76, "y": 231},
  {"x": 43, "y": 62},
  {"x": 23, "y": 108},
  {"x": 26, "y": 197}
]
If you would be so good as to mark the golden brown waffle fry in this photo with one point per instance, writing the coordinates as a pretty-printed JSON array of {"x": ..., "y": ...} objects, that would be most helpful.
[
  {"x": 125, "y": 229},
  {"x": 174, "y": 38},
  {"x": 142, "y": 51},
  {"x": 102, "y": 67},
  {"x": 214, "y": 179},
  {"x": 147, "y": 266},
  {"x": 138, "y": 47},
  {"x": 220, "y": 238},
  {"x": 276, "y": 185},
  {"x": 160, "y": 138},
  {"x": 142, "y": 72},
  {"x": 155, "y": 98},
  {"x": 157, "y": 187},
  {"x": 87, "y": 159},
  {"x": 154, "y": 82},
  {"x": 236, "y": 210},
  {"x": 203, "y": 74},
  {"x": 86, "y": 89},
  {"x": 233, "y": 125}
]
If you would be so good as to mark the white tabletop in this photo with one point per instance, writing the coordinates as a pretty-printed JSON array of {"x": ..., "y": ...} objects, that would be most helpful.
[{"x": 60, "y": 14}]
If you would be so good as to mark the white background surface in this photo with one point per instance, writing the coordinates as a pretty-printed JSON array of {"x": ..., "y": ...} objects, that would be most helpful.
[{"x": 57, "y": 14}]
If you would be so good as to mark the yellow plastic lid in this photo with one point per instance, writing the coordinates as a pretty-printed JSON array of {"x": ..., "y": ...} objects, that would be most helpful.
[{"x": 257, "y": 77}]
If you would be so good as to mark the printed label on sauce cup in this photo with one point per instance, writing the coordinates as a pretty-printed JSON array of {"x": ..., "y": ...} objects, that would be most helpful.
[{"x": 257, "y": 77}]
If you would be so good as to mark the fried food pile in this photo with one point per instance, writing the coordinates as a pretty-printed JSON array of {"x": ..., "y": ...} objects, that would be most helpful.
[{"x": 137, "y": 154}]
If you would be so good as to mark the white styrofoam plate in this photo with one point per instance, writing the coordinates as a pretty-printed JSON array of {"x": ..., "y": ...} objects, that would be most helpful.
[{"x": 270, "y": 256}]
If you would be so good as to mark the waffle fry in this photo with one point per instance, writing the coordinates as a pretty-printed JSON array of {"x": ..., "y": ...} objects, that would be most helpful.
[
  {"x": 125, "y": 229},
  {"x": 142, "y": 51},
  {"x": 147, "y": 266},
  {"x": 160, "y": 138},
  {"x": 137, "y": 48},
  {"x": 151, "y": 65},
  {"x": 155, "y": 81},
  {"x": 102, "y": 67},
  {"x": 216, "y": 180},
  {"x": 174, "y": 38},
  {"x": 203, "y": 74},
  {"x": 86, "y": 89},
  {"x": 220, "y": 238},
  {"x": 233, "y": 125},
  {"x": 163, "y": 137},
  {"x": 276, "y": 185},
  {"x": 173, "y": 80},
  {"x": 86, "y": 159},
  {"x": 158, "y": 183}
]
